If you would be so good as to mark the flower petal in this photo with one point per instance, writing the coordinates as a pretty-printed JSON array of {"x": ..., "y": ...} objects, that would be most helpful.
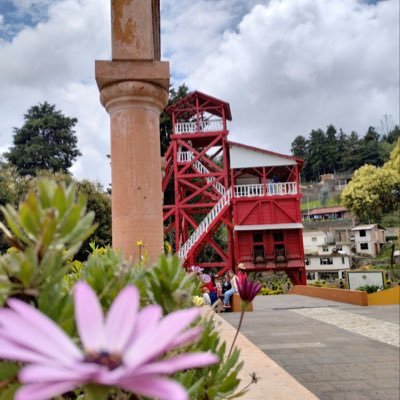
[
  {"x": 178, "y": 363},
  {"x": 187, "y": 337},
  {"x": 80, "y": 373},
  {"x": 14, "y": 352},
  {"x": 146, "y": 322},
  {"x": 155, "y": 387},
  {"x": 89, "y": 317},
  {"x": 121, "y": 319},
  {"x": 44, "y": 391},
  {"x": 159, "y": 340},
  {"x": 31, "y": 336},
  {"x": 50, "y": 328}
]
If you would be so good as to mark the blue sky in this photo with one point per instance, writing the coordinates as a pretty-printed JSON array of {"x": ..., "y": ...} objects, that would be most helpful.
[{"x": 285, "y": 67}]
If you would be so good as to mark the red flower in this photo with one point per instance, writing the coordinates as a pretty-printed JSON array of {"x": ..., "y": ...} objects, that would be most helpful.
[{"x": 247, "y": 289}]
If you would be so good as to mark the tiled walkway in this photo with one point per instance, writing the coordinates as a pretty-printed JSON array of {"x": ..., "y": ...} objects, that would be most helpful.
[
  {"x": 336, "y": 350},
  {"x": 385, "y": 332}
]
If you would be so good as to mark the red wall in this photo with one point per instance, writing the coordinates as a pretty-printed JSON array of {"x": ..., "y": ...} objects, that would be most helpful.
[
  {"x": 255, "y": 211},
  {"x": 292, "y": 241}
]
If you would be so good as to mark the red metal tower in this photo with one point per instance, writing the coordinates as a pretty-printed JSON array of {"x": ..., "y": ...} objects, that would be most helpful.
[
  {"x": 253, "y": 194},
  {"x": 196, "y": 172}
]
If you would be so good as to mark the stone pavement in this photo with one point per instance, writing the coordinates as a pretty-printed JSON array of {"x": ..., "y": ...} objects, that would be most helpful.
[{"x": 338, "y": 351}]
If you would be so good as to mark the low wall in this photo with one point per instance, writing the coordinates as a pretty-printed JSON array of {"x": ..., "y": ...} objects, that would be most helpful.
[
  {"x": 385, "y": 297},
  {"x": 236, "y": 303},
  {"x": 356, "y": 297},
  {"x": 275, "y": 383}
]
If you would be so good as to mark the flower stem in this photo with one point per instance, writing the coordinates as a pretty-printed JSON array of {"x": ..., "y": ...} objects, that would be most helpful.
[{"x": 238, "y": 328}]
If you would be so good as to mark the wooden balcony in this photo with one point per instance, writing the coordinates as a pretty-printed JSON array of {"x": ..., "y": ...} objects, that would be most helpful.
[
  {"x": 270, "y": 189},
  {"x": 212, "y": 125}
]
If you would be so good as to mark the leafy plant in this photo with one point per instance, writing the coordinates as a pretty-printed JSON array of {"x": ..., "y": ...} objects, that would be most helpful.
[
  {"x": 369, "y": 288},
  {"x": 46, "y": 232}
]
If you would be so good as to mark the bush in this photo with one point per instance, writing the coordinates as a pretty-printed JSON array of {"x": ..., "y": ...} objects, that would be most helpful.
[
  {"x": 369, "y": 288},
  {"x": 46, "y": 232}
]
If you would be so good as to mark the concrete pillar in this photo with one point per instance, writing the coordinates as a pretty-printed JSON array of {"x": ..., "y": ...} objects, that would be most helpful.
[{"x": 134, "y": 90}]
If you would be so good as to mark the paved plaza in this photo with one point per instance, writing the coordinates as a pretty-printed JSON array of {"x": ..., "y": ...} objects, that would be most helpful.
[{"x": 338, "y": 351}]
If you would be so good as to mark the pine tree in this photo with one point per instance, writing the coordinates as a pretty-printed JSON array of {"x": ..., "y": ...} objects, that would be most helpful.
[{"x": 46, "y": 141}]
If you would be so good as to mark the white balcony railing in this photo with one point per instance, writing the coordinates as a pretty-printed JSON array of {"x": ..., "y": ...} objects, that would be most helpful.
[
  {"x": 184, "y": 156},
  {"x": 272, "y": 189},
  {"x": 187, "y": 156},
  {"x": 212, "y": 125}
]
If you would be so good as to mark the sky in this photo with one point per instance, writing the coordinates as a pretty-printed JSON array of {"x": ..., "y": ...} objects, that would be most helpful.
[{"x": 285, "y": 66}]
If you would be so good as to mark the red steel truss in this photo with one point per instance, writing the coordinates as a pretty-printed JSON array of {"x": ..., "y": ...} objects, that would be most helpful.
[
  {"x": 203, "y": 195},
  {"x": 196, "y": 172}
]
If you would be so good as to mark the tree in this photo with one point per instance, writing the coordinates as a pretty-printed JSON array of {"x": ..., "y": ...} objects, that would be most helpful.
[
  {"x": 373, "y": 191},
  {"x": 331, "y": 154},
  {"x": 386, "y": 124},
  {"x": 351, "y": 156},
  {"x": 316, "y": 151},
  {"x": 14, "y": 188},
  {"x": 165, "y": 119},
  {"x": 100, "y": 202},
  {"x": 370, "y": 152},
  {"x": 299, "y": 147},
  {"x": 46, "y": 141}
]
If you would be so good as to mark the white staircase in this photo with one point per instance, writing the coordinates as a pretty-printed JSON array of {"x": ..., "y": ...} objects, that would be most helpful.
[
  {"x": 198, "y": 234},
  {"x": 187, "y": 156}
]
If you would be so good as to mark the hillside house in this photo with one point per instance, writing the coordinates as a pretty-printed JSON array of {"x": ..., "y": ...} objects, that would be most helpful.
[{"x": 369, "y": 239}]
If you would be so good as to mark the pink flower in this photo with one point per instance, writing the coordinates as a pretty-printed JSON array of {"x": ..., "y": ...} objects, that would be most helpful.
[
  {"x": 247, "y": 289},
  {"x": 123, "y": 349},
  {"x": 205, "y": 278},
  {"x": 196, "y": 270}
]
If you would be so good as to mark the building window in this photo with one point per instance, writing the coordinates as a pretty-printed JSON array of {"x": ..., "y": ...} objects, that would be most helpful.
[
  {"x": 363, "y": 233},
  {"x": 339, "y": 248},
  {"x": 364, "y": 246},
  {"x": 314, "y": 239},
  {"x": 310, "y": 275},
  {"x": 342, "y": 260},
  {"x": 326, "y": 261},
  {"x": 278, "y": 237},
  {"x": 279, "y": 247},
  {"x": 258, "y": 237},
  {"x": 325, "y": 248},
  {"x": 328, "y": 276},
  {"x": 308, "y": 261},
  {"x": 258, "y": 254}
]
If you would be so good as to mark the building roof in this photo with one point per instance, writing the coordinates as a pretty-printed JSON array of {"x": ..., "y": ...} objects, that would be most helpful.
[
  {"x": 254, "y": 154},
  {"x": 326, "y": 210},
  {"x": 367, "y": 227},
  {"x": 188, "y": 104}
]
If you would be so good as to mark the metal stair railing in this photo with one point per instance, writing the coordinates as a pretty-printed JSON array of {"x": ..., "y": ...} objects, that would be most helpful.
[
  {"x": 223, "y": 202},
  {"x": 186, "y": 156}
]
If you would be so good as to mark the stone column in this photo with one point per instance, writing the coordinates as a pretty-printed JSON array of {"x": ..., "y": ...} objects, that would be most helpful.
[{"x": 134, "y": 91}]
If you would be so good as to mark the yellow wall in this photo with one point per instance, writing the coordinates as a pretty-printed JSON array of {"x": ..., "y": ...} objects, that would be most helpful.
[{"x": 388, "y": 296}]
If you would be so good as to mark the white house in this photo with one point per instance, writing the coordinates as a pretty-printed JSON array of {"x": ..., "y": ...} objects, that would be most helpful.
[
  {"x": 325, "y": 260},
  {"x": 369, "y": 239}
]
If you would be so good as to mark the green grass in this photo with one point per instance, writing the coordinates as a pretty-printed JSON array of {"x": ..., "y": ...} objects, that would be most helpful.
[
  {"x": 386, "y": 251},
  {"x": 317, "y": 204}
]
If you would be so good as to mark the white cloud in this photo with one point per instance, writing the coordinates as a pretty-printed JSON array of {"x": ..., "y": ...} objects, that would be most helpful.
[
  {"x": 285, "y": 66},
  {"x": 297, "y": 65},
  {"x": 54, "y": 61},
  {"x": 191, "y": 30}
]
